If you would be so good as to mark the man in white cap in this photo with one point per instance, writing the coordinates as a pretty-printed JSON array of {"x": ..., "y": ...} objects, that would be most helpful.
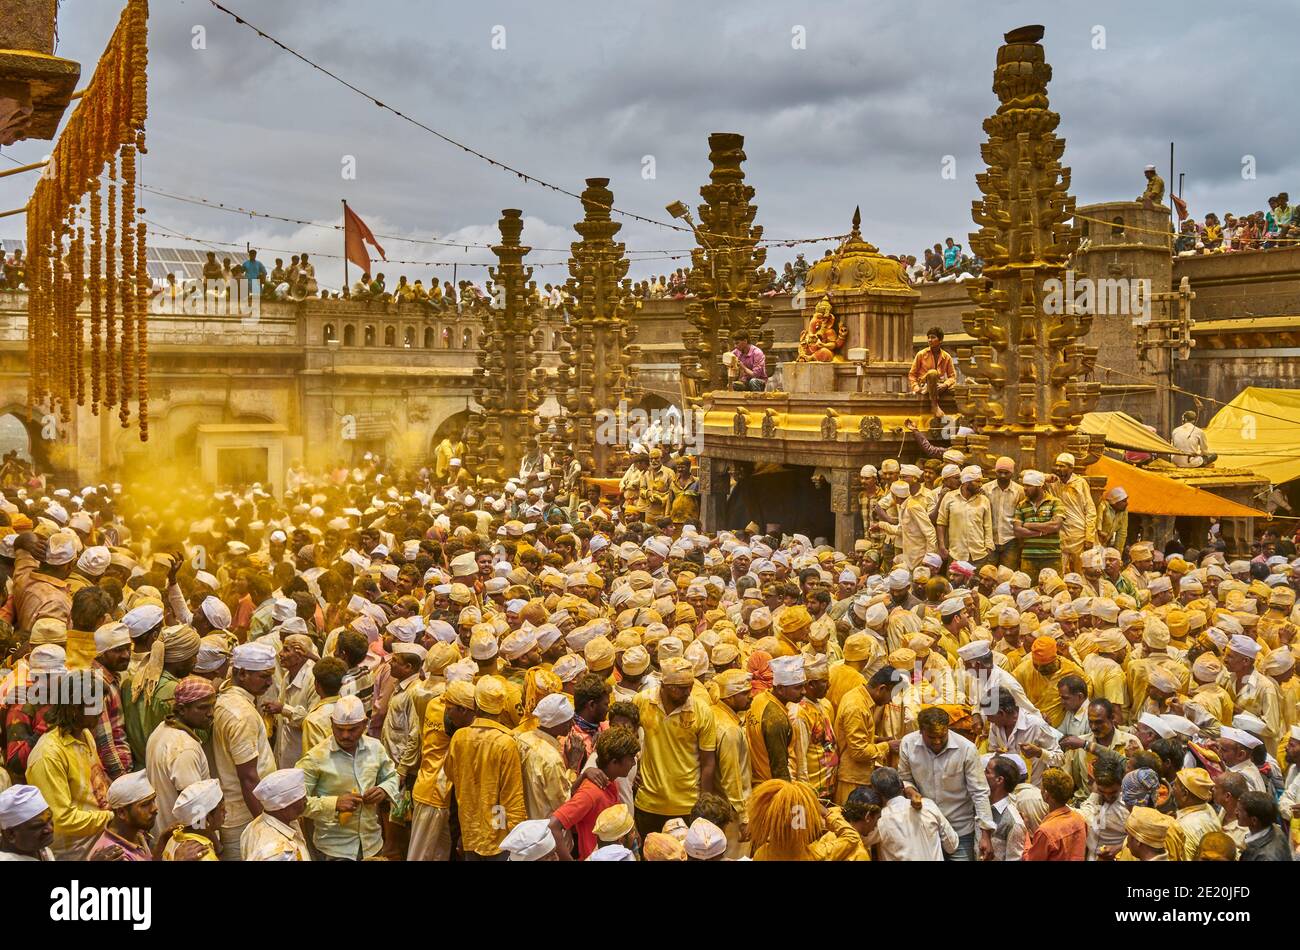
[
  {"x": 705, "y": 841},
  {"x": 965, "y": 524},
  {"x": 198, "y": 812},
  {"x": 1037, "y": 524},
  {"x": 1252, "y": 691},
  {"x": 1077, "y": 509},
  {"x": 916, "y": 533},
  {"x": 40, "y": 576},
  {"x": 90, "y": 567},
  {"x": 145, "y": 623},
  {"x": 348, "y": 780},
  {"x": 1236, "y": 749},
  {"x": 1112, "y": 519},
  {"x": 112, "y": 657},
  {"x": 1153, "y": 196},
  {"x": 26, "y": 825},
  {"x": 531, "y": 841},
  {"x": 550, "y": 766},
  {"x": 134, "y": 805},
  {"x": 275, "y": 835},
  {"x": 241, "y": 749}
]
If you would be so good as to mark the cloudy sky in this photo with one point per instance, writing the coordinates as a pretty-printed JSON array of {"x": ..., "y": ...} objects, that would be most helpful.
[{"x": 864, "y": 114}]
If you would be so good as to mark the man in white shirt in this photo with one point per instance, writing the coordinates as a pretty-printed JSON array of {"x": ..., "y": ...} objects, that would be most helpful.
[
  {"x": 1003, "y": 774},
  {"x": 241, "y": 749},
  {"x": 1027, "y": 734},
  {"x": 1005, "y": 494},
  {"x": 1191, "y": 439},
  {"x": 941, "y": 765},
  {"x": 909, "y": 829}
]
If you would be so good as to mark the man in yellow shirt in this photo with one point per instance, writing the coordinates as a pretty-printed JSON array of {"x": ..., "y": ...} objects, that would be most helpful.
[
  {"x": 1040, "y": 673},
  {"x": 856, "y": 724},
  {"x": 430, "y": 826},
  {"x": 679, "y": 747},
  {"x": 65, "y": 767},
  {"x": 549, "y": 768},
  {"x": 484, "y": 769},
  {"x": 734, "y": 698},
  {"x": 1077, "y": 510}
]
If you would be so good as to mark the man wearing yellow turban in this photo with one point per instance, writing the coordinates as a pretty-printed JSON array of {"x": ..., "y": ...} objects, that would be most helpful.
[{"x": 1153, "y": 836}]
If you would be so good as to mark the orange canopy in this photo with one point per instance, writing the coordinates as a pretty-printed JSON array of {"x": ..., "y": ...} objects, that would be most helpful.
[{"x": 1150, "y": 493}]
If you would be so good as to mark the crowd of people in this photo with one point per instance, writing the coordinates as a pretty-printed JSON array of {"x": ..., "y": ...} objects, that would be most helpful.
[
  {"x": 424, "y": 665},
  {"x": 1277, "y": 227}
]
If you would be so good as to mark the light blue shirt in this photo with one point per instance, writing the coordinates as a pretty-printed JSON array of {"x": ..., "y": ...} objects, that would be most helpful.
[{"x": 330, "y": 772}]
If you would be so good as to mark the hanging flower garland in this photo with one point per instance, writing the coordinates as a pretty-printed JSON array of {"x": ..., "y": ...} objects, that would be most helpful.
[{"x": 105, "y": 134}]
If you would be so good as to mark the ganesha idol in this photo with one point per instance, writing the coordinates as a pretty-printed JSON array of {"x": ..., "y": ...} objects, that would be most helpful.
[{"x": 823, "y": 340}]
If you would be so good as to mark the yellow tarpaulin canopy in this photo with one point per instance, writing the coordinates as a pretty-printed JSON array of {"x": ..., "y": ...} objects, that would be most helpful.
[
  {"x": 1260, "y": 431},
  {"x": 1122, "y": 431},
  {"x": 1150, "y": 493}
]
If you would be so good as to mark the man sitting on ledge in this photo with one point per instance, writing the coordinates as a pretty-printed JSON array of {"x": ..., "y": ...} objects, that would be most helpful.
[
  {"x": 932, "y": 371},
  {"x": 749, "y": 368}
]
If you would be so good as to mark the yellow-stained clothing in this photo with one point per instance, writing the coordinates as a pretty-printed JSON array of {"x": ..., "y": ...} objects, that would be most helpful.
[
  {"x": 734, "y": 781},
  {"x": 916, "y": 534},
  {"x": 63, "y": 766},
  {"x": 1196, "y": 822},
  {"x": 514, "y": 711},
  {"x": 483, "y": 767},
  {"x": 180, "y": 837},
  {"x": 548, "y": 780},
  {"x": 430, "y": 784},
  {"x": 669, "y": 767},
  {"x": 813, "y": 756},
  {"x": 1078, "y": 515},
  {"x": 855, "y": 735},
  {"x": 768, "y": 731},
  {"x": 316, "y": 724},
  {"x": 1042, "y": 690},
  {"x": 1107, "y": 679},
  {"x": 844, "y": 679}
]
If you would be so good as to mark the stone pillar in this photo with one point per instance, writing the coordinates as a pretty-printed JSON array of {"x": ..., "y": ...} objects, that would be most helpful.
[
  {"x": 715, "y": 483},
  {"x": 844, "y": 502}
]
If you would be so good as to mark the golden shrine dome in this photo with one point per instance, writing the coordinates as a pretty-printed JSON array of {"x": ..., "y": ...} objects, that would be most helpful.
[{"x": 857, "y": 266}]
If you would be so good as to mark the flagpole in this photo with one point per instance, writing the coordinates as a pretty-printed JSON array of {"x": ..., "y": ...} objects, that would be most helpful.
[{"x": 346, "y": 283}]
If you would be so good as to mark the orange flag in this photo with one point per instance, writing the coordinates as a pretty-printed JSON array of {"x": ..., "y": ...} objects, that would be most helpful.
[
  {"x": 1181, "y": 206},
  {"x": 356, "y": 235}
]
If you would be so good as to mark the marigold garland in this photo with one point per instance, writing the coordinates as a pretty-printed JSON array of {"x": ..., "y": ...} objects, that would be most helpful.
[{"x": 107, "y": 124}]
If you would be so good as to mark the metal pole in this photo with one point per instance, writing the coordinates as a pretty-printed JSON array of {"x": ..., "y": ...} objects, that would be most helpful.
[
  {"x": 346, "y": 282},
  {"x": 1172, "y": 214}
]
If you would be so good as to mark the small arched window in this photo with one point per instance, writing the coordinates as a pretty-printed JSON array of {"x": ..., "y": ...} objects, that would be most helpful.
[
  {"x": 349, "y": 335},
  {"x": 390, "y": 336},
  {"x": 370, "y": 335},
  {"x": 467, "y": 339},
  {"x": 428, "y": 338},
  {"x": 328, "y": 333},
  {"x": 1117, "y": 227},
  {"x": 408, "y": 337}
]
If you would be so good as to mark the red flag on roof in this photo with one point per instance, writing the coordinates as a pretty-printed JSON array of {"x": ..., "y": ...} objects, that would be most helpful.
[
  {"x": 356, "y": 235},
  {"x": 1181, "y": 207}
]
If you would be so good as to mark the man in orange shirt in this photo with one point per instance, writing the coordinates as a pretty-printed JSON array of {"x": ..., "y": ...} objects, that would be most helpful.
[
  {"x": 1062, "y": 835},
  {"x": 932, "y": 366}
]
